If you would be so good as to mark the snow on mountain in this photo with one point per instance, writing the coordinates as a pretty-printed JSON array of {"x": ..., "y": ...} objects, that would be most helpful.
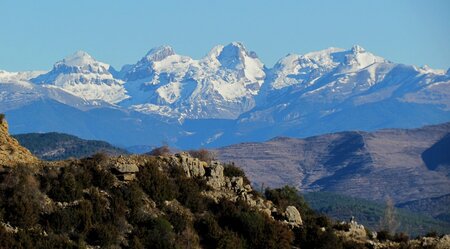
[
  {"x": 83, "y": 76},
  {"x": 305, "y": 70},
  {"x": 220, "y": 85},
  {"x": 318, "y": 92},
  {"x": 16, "y": 90}
]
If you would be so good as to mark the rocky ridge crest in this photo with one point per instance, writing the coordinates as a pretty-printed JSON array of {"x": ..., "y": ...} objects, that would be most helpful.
[{"x": 11, "y": 152}]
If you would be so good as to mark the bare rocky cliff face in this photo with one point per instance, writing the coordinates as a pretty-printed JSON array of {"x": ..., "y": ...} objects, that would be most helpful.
[
  {"x": 11, "y": 152},
  {"x": 396, "y": 162}
]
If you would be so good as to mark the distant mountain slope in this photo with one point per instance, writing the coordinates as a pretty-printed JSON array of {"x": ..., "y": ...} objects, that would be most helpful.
[
  {"x": 59, "y": 146},
  {"x": 360, "y": 164},
  {"x": 370, "y": 213},
  {"x": 437, "y": 157}
]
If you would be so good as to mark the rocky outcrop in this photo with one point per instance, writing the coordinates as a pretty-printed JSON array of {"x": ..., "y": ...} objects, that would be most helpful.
[
  {"x": 354, "y": 231},
  {"x": 192, "y": 167},
  {"x": 11, "y": 152},
  {"x": 231, "y": 188},
  {"x": 293, "y": 217},
  {"x": 125, "y": 168}
]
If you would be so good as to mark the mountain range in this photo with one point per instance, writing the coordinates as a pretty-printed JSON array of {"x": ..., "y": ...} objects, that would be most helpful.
[{"x": 226, "y": 97}]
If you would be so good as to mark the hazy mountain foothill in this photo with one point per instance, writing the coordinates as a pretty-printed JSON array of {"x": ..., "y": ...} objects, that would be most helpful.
[{"x": 403, "y": 164}]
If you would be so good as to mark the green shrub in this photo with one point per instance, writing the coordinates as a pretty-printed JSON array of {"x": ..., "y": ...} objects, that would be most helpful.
[
  {"x": 231, "y": 170},
  {"x": 157, "y": 184},
  {"x": 66, "y": 187},
  {"x": 157, "y": 233},
  {"x": 21, "y": 197},
  {"x": 103, "y": 235},
  {"x": 400, "y": 237},
  {"x": 288, "y": 196},
  {"x": 2, "y": 117},
  {"x": 210, "y": 231},
  {"x": 384, "y": 235}
]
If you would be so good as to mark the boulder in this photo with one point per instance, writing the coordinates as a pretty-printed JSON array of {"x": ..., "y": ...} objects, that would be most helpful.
[
  {"x": 126, "y": 168},
  {"x": 293, "y": 217}
]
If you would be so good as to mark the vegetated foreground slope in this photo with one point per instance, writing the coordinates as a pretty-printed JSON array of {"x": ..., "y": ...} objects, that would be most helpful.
[
  {"x": 59, "y": 146},
  {"x": 165, "y": 201},
  {"x": 360, "y": 164}
]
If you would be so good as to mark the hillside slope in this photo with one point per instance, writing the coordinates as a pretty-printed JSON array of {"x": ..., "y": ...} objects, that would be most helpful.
[{"x": 360, "y": 164}]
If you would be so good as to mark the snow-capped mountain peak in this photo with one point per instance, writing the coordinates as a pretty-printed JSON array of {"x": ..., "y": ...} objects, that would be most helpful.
[
  {"x": 83, "y": 76},
  {"x": 233, "y": 56},
  {"x": 158, "y": 60},
  {"x": 358, "y": 58},
  {"x": 357, "y": 49},
  {"x": 78, "y": 59},
  {"x": 159, "y": 53}
]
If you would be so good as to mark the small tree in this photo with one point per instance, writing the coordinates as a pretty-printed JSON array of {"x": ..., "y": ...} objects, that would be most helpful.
[
  {"x": 2, "y": 117},
  {"x": 389, "y": 222},
  {"x": 160, "y": 151},
  {"x": 203, "y": 155}
]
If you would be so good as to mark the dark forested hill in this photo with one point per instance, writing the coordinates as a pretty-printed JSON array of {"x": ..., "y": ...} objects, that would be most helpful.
[
  {"x": 58, "y": 146},
  {"x": 371, "y": 214}
]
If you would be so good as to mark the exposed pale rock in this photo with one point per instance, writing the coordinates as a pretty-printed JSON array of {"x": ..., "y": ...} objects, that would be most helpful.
[
  {"x": 193, "y": 167},
  {"x": 444, "y": 242},
  {"x": 293, "y": 216},
  {"x": 125, "y": 167},
  {"x": 215, "y": 176},
  {"x": 11, "y": 152}
]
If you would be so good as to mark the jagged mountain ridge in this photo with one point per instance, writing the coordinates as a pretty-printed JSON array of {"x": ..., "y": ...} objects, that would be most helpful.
[{"x": 302, "y": 95}]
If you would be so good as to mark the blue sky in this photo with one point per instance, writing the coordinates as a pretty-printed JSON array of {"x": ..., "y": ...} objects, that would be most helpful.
[{"x": 35, "y": 34}]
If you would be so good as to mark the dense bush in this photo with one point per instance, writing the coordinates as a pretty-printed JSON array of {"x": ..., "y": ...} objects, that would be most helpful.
[
  {"x": 288, "y": 196},
  {"x": 203, "y": 155},
  {"x": 157, "y": 184},
  {"x": 20, "y": 197},
  {"x": 231, "y": 170},
  {"x": 384, "y": 235}
]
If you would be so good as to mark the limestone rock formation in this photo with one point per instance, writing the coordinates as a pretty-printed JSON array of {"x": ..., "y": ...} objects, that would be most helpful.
[
  {"x": 11, "y": 152},
  {"x": 125, "y": 168},
  {"x": 293, "y": 216},
  {"x": 232, "y": 188}
]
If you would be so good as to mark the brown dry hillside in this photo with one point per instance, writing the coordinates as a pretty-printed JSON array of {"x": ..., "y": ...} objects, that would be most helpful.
[
  {"x": 11, "y": 152},
  {"x": 371, "y": 165}
]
